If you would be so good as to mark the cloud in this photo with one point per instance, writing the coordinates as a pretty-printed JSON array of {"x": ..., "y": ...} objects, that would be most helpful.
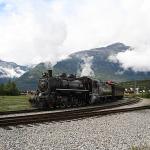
[
  {"x": 28, "y": 32},
  {"x": 137, "y": 59},
  {"x": 38, "y": 30}
]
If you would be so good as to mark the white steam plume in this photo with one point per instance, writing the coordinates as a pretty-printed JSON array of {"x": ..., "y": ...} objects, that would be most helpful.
[{"x": 86, "y": 67}]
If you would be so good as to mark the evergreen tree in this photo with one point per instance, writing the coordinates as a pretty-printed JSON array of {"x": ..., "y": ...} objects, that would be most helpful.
[
  {"x": 1, "y": 89},
  {"x": 9, "y": 89}
]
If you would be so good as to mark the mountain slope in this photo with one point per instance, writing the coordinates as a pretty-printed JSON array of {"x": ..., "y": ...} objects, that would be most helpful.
[
  {"x": 29, "y": 80},
  {"x": 100, "y": 63}
]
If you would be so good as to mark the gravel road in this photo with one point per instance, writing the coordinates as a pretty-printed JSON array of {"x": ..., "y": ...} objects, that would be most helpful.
[{"x": 111, "y": 132}]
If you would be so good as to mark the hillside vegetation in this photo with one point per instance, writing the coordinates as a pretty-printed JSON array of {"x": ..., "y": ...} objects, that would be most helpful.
[{"x": 141, "y": 84}]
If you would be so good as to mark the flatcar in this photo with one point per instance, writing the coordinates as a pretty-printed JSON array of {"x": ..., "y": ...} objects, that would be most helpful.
[{"x": 68, "y": 91}]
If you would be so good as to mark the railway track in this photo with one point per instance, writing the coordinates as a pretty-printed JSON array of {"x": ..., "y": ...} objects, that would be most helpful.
[
  {"x": 32, "y": 110},
  {"x": 68, "y": 114},
  {"x": 19, "y": 111}
]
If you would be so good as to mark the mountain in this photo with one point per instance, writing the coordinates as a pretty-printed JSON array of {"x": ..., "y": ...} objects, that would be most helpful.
[
  {"x": 94, "y": 62},
  {"x": 10, "y": 70},
  {"x": 29, "y": 80},
  {"x": 98, "y": 62}
]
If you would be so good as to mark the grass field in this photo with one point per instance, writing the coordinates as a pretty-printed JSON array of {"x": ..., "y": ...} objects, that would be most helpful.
[{"x": 13, "y": 103}]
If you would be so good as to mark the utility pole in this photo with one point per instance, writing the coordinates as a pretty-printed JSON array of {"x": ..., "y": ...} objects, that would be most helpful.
[{"x": 135, "y": 86}]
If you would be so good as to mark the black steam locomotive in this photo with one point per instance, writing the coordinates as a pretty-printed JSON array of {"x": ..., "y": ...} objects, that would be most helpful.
[{"x": 68, "y": 91}]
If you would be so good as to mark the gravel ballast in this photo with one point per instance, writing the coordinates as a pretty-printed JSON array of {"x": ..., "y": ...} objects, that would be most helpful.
[{"x": 111, "y": 132}]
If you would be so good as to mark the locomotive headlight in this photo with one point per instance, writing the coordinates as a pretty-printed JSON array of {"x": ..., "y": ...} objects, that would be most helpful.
[{"x": 40, "y": 94}]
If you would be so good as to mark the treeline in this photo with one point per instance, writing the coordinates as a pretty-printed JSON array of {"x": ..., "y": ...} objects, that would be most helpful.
[{"x": 9, "y": 89}]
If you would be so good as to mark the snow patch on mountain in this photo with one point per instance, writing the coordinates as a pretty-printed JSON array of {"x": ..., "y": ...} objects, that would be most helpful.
[{"x": 11, "y": 72}]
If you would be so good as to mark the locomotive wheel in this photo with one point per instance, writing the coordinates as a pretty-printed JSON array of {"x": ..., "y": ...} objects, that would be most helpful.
[
  {"x": 61, "y": 105},
  {"x": 80, "y": 102},
  {"x": 90, "y": 101},
  {"x": 43, "y": 105},
  {"x": 74, "y": 102},
  {"x": 68, "y": 104},
  {"x": 54, "y": 106},
  {"x": 64, "y": 104}
]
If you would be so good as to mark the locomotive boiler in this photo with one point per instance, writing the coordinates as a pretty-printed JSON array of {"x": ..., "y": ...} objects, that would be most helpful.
[{"x": 68, "y": 91}]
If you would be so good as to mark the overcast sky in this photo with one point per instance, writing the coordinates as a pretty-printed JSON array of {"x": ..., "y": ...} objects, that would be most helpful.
[{"x": 47, "y": 30}]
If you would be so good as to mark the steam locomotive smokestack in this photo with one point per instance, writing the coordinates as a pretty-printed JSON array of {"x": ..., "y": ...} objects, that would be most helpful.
[{"x": 50, "y": 73}]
